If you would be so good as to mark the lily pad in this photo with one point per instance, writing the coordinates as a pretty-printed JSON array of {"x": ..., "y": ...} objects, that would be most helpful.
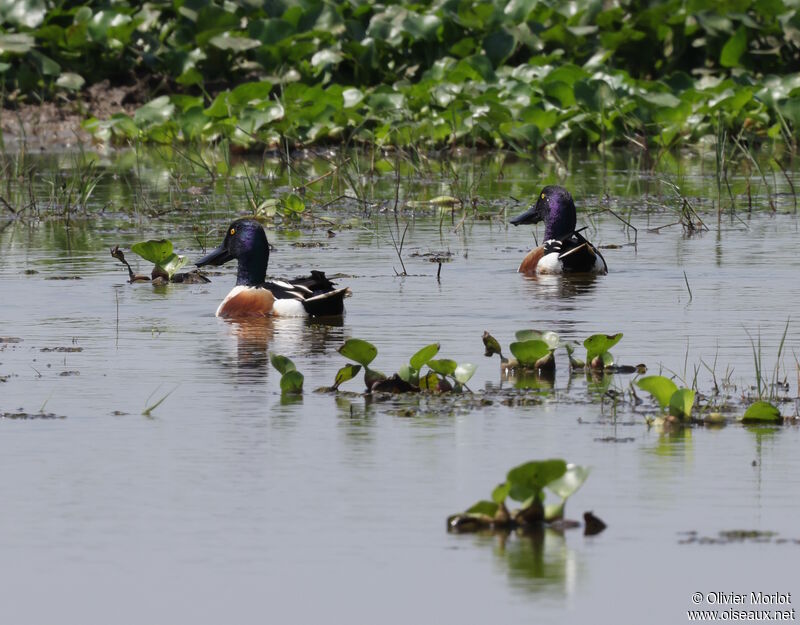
[{"x": 443, "y": 366}]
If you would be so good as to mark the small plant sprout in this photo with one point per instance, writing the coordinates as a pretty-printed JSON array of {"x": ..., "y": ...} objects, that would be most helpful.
[
  {"x": 159, "y": 252},
  {"x": 676, "y": 402},
  {"x": 526, "y": 484},
  {"x": 291, "y": 378}
]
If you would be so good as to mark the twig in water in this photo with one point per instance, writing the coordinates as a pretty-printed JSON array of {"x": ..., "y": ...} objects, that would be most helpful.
[{"x": 687, "y": 286}]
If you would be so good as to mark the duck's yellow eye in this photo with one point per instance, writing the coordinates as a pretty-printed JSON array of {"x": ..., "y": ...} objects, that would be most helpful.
[
  {"x": 542, "y": 198},
  {"x": 233, "y": 231}
]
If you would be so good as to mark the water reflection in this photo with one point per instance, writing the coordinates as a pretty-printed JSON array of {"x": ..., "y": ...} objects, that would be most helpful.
[
  {"x": 537, "y": 560},
  {"x": 257, "y": 337},
  {"x": 563, "y": 287}
]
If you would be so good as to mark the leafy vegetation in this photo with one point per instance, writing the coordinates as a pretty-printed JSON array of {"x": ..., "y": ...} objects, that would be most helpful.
[
  {"x": 525, "y": 484},
  {"x": 518, "y": 73},
  {"x": 441, "y": 374},
  {"x": 159, "y": 252},
  {"x": 291, "y": 378},
  {"x": 676, "y": 402}
]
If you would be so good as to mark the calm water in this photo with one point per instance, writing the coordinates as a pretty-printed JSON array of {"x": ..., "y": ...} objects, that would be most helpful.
[{"x": 230, "y": 505}]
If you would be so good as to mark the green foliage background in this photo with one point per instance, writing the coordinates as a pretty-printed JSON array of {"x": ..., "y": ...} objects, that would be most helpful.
[{"x": 521, "y": 73}]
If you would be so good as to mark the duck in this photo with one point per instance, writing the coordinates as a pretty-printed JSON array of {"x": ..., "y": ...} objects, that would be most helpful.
[
  {"x": 565, "y": 250},
  {"x": 254, "y": 296}
]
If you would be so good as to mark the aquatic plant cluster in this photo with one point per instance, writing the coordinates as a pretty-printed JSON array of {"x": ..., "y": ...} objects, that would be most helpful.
[{"x": 519, "y": 73}]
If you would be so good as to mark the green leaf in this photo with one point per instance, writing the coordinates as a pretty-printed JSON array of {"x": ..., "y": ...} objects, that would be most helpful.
[
  {"x": 408, "y": 374},
  {"x": 464, "y": 372},
  {"x": 443, "y": 366},
  {"x": 421, "y": 358},
  {"x": 659, "y": 387},
  {"x": 681, "y": 403},
  {"x": 499, "y": 45},
  {"x": 292, "y": 383},
  {"x": 360, "y": 351},
  {"x": 734, "y": 48},
  {"x": 346, "y": 373},
  {"x": 173, "y": 263},
  {"x": 157, "y": 251},
  {"x": 551, "y": 338},
  {"x": 500, "y": 492},
  {"x": 528, "y": 352},
  {"x": 571, "y": 481},
  {"x": 527, "y": 480},
  {"x": 429, "y": 382},
  {"x": 294, "y": 203},
  {"x": 762, "y": 412},
  {"x": 487, "y": 508},
  {"x": 598, "y": 343},
  {"x": 281, "y": 363}
]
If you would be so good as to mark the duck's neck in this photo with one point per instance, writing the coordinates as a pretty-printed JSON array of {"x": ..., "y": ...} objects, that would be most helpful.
[
  {"x": 560, "y": 223},
  {"x": 252, "y": 271}
]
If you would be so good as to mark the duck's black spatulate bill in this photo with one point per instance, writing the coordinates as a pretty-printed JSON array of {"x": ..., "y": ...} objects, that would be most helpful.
[
  {"x": 530, "y": 216},
  {"x": 215, "y": 257}
]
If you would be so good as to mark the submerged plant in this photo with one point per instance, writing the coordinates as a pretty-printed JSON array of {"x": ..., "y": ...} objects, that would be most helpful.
[
  {"x": 291, "y": 378},
  {"x": 526, "y": 484}
]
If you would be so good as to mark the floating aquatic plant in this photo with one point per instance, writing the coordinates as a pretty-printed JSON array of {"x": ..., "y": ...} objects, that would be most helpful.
[
  {"x": 762, "y": 413},
  {"x": 442, "y": 374},
  {"x": 159, "y": 252},
  {"x": 291, "y": 378},
  {"x": 676, "y": 403},
  {"x": 527, "y": 484}
]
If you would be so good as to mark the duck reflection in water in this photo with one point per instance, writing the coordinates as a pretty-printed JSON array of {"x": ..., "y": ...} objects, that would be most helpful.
[
  {"x": 568, "y": 286},
  {"x": 258, "y": 336}
]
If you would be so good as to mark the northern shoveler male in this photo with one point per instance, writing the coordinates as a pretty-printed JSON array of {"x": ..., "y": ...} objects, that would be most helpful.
[
  {"x": 564, "y": 249},
  {"x": 253, "y": 296}
]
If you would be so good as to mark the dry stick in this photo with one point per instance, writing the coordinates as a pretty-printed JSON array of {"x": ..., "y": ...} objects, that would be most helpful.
[
  {"x": 687, "y": 286},
  {"x": 7, "y": 205},
  {"x": 330, "y": 172},
  {"x": 625, "y": 221},
  {"x": 789, "y": 180}
]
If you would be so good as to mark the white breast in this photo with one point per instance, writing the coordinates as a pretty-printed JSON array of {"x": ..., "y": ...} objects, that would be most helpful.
[
  {"x": 289, "y": 308},
  {"x": 549, "y": 264}
]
